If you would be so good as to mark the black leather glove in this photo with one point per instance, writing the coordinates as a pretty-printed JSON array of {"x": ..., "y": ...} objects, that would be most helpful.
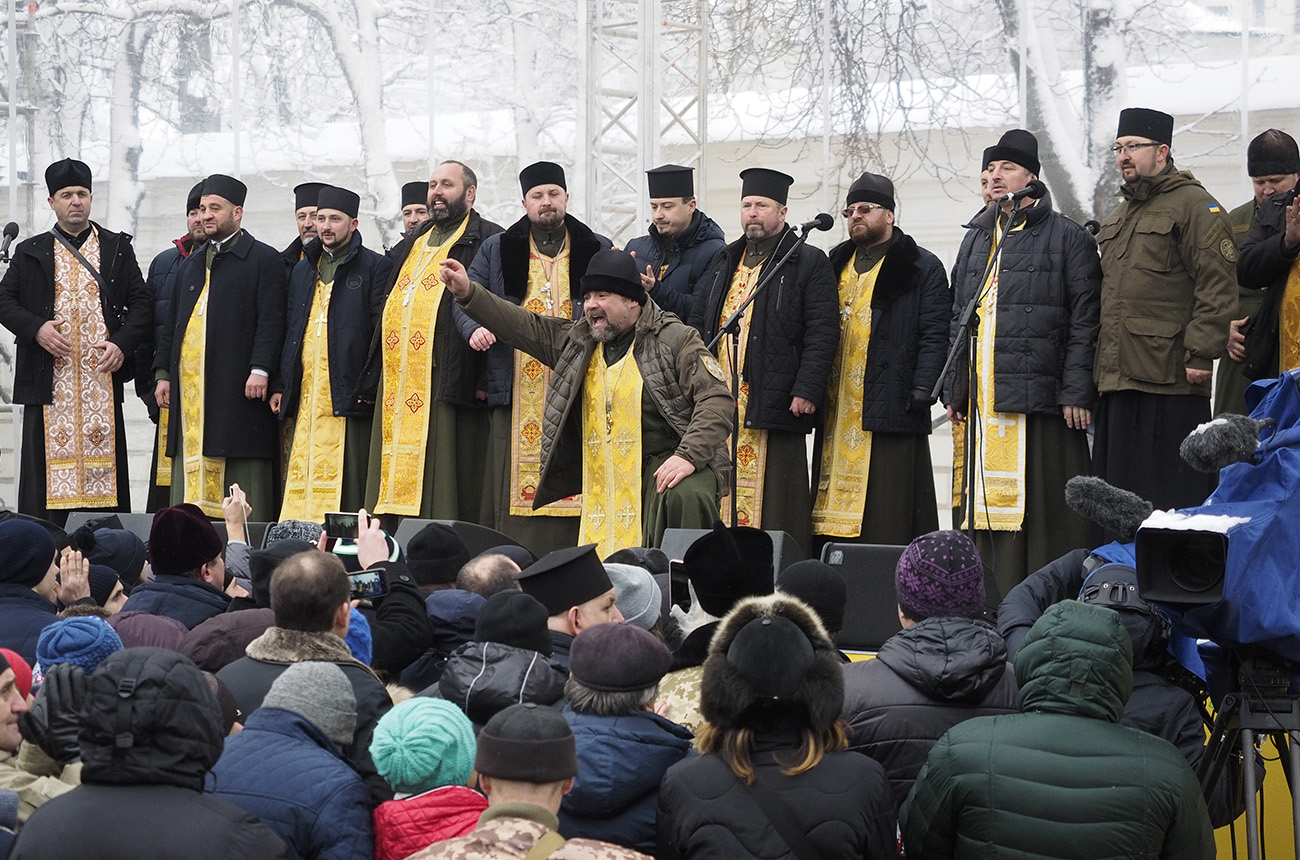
[
  {"x": 54, "y": 721},
  {"x": 919, "y": 400}
]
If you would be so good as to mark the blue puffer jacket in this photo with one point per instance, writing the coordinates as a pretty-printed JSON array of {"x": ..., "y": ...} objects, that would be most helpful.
[
  {"x": 23, "y": 615},
  {"x": 189, "y": 601},
  {"x": 285, "y": 771},
  {"x": 679, "y": 261},
  {"x": 621, "y": 761}
]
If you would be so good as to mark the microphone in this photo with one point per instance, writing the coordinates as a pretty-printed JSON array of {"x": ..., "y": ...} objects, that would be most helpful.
[
  {"x": 1034, "y": 190},
  {"x": 1093, "y": 227},
  {"x": 821, "y": 222},
  {"x": 1222, "y": 442},
  {"x": 1117, "y": 511},
  {"x": 11, "y": 233}
]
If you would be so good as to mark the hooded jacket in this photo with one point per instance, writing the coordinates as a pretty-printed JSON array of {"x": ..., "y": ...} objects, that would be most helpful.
[
  {"x": 843, "y": 804},
  {"x": 150, "y": 734},
  {"x": 925, "y": 680},
  {"x": 482, "y": 678},
  {"x": 1062, "y": 778},
  {"x": 678, "y": 261}
]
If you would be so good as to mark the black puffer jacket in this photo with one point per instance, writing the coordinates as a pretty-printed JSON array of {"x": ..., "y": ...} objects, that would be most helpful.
[
  {"x": 687, "y": 256},
  {"x": 161, "y": 281},
  {"x": 910, "y": 310},
  {"x": 1049, "y": 303},
  {"x": 794, "y": 330},
  {"x": 925, "y": 680},
  {"x": 483, "y": 678},
  {"x": 151, "y": 733}
]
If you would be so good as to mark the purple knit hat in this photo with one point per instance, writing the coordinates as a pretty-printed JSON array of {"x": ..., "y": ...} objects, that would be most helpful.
[{"x": 940, "y": 574}]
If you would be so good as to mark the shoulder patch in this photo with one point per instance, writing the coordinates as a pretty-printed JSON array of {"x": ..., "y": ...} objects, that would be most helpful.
[
  {"x": 1213, "y": 207},
  {"x": 715, "y": 370},
  {"x": 1228, "y": 250}
]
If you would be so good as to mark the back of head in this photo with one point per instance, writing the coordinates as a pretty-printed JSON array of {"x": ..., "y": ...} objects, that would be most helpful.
[
  {"x": 940, "y": 574},
  {"x": 307, "y": 590},
  {"x": 1115, "y": 586},
  {"x": 422, "y": 744},
  {"x": 820, "y": 586},
  {"x": 85, "y": 642},
  {"x": 319, "y": 693},
  {"x": 435, "y": 555},
  {"x": 488, "y": 574},
  {"x": 616, "y": 669},
  {"x": 527, "y": 743},
  {"x": 150, "y": 718},
  {"x": 262, "y": 564},
  {"x": 181, "y": 540},
  {"x": 516, "y": 619},
  {"x": 1076, "y": 659}
]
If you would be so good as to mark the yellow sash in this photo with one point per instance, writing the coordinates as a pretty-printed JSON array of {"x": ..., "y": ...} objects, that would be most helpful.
[
  {"x": 548, "y": 294},
  {"x": 80, "y": 431},
  {"x": 999, "y": 502},
  {"x": 205, "y": 477},
  {"x": 751, "y": 450},
  {"x": 611, "y": 463},
  {"x": 314, "y": 480},
  {"x": 162, "y": 476},
  {"x": 410, "y": 314},
  {"x": 1288, "y": 322},
  {"x": 846, "y": 451}
]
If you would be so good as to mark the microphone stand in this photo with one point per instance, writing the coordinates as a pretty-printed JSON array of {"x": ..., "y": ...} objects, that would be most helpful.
[
  {"x": 968, "y": 330},
  {"x": 732, "y": 326}
]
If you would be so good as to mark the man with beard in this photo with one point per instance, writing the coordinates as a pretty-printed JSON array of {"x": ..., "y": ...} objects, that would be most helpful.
[
  {"x": 636, "y": 410},
  {"x": 78, "y": 307},
  {"x": 872, "y": 477},
  {"x": 162, "y": 286},
  {"x": 415, "y": 206},
  {"x": 304, "y": 211},
  {"x": 787, "y": 341},
  {"x": 538, "y": 263},
  {"x": 326, "y": 345},
  {"x": 428, "y": 440},
  {"x": 681, "y": 243},
  {"x": 215, "y": 358}
]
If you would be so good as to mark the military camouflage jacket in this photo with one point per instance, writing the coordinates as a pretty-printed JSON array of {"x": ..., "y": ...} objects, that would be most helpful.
[{"x": 510, "y": 830}]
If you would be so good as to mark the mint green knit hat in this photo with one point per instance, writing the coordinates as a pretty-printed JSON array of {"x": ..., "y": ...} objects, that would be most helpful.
[{"x": 422, "y": 744}]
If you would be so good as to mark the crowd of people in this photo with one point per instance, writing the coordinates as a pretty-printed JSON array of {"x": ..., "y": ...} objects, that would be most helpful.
[{"x": 561, "y": 695}]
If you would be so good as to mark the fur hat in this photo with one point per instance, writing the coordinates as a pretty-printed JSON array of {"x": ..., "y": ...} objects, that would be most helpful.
[
  {"x": 182, "y": 539},
  {"x": 761, "y": 675},
  {"x": 729, "y": 564}
]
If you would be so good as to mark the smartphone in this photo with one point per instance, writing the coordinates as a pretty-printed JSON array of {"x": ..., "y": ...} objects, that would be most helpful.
[
  {"x": 341, "y": 525},
  {"x": 369, "y": 584}
]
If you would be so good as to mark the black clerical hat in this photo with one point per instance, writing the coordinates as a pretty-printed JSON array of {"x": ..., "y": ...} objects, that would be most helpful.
[
  {"x": 226, "y": 186},
  {"x": 1017, "y": 146},
  {"x": 671, "y": 180},
  {"x": 306, "y": 194},
  {"x": 566, "y": 578},
  {"x": 415, "y": 194},
  {"x": 341, "y": 199},
  {"x": 729, "y": 564},
  {"x": 541, "y": 173},
  {"x": 1144, "y": 122},
  {"x": 871, "y": 188},
  {"x": 761, "y": 182},
  {"x": 67, "y": 172},
  {"x": 195, "y": 196}
]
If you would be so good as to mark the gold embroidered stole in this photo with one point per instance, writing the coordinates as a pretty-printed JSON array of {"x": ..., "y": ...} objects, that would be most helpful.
[
  {"x": 410, "y": 315},
  {"x": 548, "y": 294},
  {"x": 314, "y": 480},
  {"x": 162, "y": 475},
  {"x": 751, "y": 449},
  {"x": 80, "y": 431},
  {"x": 999, "y": 502},
  {"x": 611, "y": 463},
  {"x": 846, "y": 449},
  {"x": 1288, "y": 322},
  {"x": 205, "y": 477}
]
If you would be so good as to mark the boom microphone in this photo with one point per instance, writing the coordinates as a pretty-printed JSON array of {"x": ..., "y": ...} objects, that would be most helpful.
[
  {"x": 821, "y": 222},
  {"x": 1222, "y": 442},
  {"x": 1117, "y": 511},
  {"x": 11, "y": 233},
  {"x": 1034, "y": 190}
]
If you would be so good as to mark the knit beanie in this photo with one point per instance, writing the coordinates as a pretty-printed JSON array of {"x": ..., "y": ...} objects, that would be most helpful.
[
  {"x": 435, "y": 554},
  {"x": 82, "y": 641},
  {"x": 22, "y": 670},
  {"x": 940, "y": 574},
  {"x": 516, "y": 619},
  {"x": 26, "y": 552},
  {"x": 119, "y": 549},
  {"x": 146, "y": 630},
  {"x": 636, "y": 594},
  {"x": 319, "y": 693},
  {"x": 527, "y": 743},
  {"x": 422, "y": 744},
  {"x": 359, "y": 640},
  {"x": 103, "y": 579}
]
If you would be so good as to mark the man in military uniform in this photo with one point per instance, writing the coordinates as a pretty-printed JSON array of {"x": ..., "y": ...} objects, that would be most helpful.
[{"x": 1168, "y": 293}]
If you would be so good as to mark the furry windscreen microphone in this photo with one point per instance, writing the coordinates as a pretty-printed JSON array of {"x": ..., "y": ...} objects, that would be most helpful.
[
  {"x": 1117, "y": 511},
  {"x": 1222, "y": 442}
]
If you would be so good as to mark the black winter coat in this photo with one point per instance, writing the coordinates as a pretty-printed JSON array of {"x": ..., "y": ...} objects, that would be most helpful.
[
  {"x": 461, "y": 370},
  {"x": 843, "y": 805},
  {"x": 910, "y": 310},
  {"x": 1049, "y": 305},
  {"x": 687, "y": 256},
  {"x": 484, "y": 678},
  {"x": 793, "y": 332},
  {"x": 1265, "y": 262},
  {"x": 925, "y": 680},
  {"x": 355, "y": 307},
  {"x": 399, "y": 627},
  {"x": 189, "y": 601},
  {"x": 161, "y": 280},
  {"x": 27, "y": 303},
  {"x": 23, "y": 615},
  {"x": 247, "y": 302}
]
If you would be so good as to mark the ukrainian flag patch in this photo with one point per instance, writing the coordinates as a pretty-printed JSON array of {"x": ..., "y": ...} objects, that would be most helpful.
[{"x": 1213, "y": 207}]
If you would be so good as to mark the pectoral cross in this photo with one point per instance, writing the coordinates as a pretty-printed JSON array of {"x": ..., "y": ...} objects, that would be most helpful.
[
  {"x": 546, "y": 291},
  {"x": 847, "y": 312},
  {"x": 609, "y": 417}
]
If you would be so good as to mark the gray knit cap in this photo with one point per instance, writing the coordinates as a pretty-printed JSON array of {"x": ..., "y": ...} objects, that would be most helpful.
[
  {"x": 636, "y": 594},
  {"x": 320, "y": 693}
]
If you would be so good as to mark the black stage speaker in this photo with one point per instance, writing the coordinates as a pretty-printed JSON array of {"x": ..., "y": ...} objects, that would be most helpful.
[
  {"x": 476, "y": 537},
  {"x": 785, "y": 549},
  {"x": 871, "y": 611},
  {"x": 255, "y": 532},
  {"x": 137, "y": 524}
]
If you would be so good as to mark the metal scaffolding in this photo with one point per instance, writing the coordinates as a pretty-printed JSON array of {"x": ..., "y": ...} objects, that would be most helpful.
[{"x": 645, "y": 75}]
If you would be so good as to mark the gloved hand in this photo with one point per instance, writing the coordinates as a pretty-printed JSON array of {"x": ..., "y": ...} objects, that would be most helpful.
[
  {"x": 54, "y": 721},
  {"x": 919, "y": 400}
]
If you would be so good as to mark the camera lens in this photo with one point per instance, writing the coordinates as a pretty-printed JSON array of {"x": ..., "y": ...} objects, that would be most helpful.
[{"x": 1197, "y": 561}]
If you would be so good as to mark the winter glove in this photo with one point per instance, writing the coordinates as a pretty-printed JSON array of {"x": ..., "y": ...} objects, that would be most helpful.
[
  {"x": 54, "y": 721},
  {"x": 919, "y": 400}
]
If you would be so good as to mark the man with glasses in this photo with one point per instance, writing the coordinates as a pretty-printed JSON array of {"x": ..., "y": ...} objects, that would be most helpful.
[
  {"x": 1032, "y": 395},
  {"x": 1169, "y": 292},
  {"x": 872, "y": 477}
]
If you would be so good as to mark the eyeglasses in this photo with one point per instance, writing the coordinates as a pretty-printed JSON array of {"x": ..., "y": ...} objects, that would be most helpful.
[
  {"x": 863, "y": 209},
  {"x": 1131, "y": 148}
]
